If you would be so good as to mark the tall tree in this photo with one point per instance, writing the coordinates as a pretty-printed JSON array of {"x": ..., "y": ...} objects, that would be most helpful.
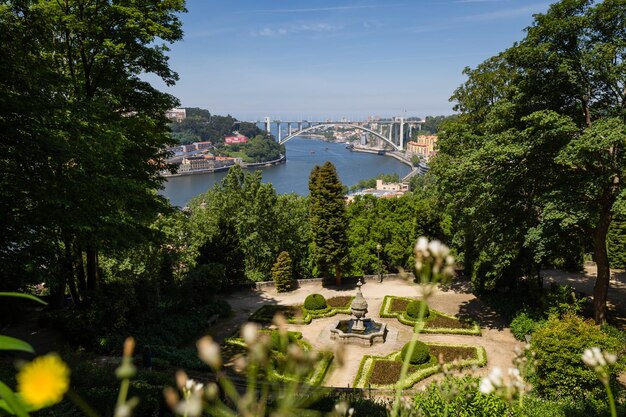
[
  {"x": 533, "y": 167},
  {"x": 327, "y": 215},
  {"x": 102, "y": 133}
]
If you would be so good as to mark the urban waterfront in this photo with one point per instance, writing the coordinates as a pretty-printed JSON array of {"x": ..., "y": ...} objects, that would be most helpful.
[{"x": 293, "y": 177}]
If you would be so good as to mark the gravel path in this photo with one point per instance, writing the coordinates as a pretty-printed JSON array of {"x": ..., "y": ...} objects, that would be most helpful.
[{"x": 496, "y": 339}]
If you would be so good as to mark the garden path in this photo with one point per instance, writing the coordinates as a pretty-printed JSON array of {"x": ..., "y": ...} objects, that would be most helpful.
[{"x": 496, "y": 339}]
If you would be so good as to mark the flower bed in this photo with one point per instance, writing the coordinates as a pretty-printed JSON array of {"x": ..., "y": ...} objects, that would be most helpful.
[
  {"x": 235, "y": 346},
  {"x": 299, "y": 315},
  {"x": 383, "y": 372},
  {"x": 436, "y": 322}
]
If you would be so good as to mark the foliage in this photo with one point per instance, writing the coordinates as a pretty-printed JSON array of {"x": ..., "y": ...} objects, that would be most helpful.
[
  {"x": 473, "y": 356},
  {"x": 557, "y": 348},
  {"x": 371, "y": 183},
  {"x": 200, "y": 125},
  {"x": 78, "y": 128},
  {"x": 436, "y": 322},
  {"x": 421, "y": 353},
  {"x": 315, "y": 302},
  {"x": 616, "y": 244},
  {"x": 414, "y": 307},
  {"x": 282, "y": 273},
  {"x": 458, "y": 396},
  {"x": 541, "y": 133},
  {"x": 362, "y": 406},
  {"x": 393, "y": 223},
  {"x": 327, "y": 216},
  {"x": 524, "y": 323},
  {"x": 239, "y": 224}
]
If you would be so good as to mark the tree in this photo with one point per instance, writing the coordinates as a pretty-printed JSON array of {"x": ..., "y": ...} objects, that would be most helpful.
[
  {"x": 100, "y": 129},
  {"x": 542, "y": 133},
  {"x": 282, "y": 272},
  {"x": 327, "y": 215}
]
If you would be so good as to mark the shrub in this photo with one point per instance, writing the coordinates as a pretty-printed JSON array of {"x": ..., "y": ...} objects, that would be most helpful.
[
  {"x": 282, "y": 273},
  {"x": 315, "y": 302},
  {"x": 413, "y": 309},
  {"x": 557, "y": 347},
  {"x": 421, "y": 353},
  {"x": 525, "y": 323},
  {"x": 455, "y": 396}
]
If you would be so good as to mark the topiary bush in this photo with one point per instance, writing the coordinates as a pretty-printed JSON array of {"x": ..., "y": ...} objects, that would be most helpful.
[
  {"x": 282, "y": 273},
  {"x": 315, "y": 302},
  {"x": 413, "y": 309},
  {"x": 421, "y": 353},
  {"x": 557, "y": 347}
]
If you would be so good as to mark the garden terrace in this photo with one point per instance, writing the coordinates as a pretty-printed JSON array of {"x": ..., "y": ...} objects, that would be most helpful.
[
  {"x": 383, "y": 372},
  {"x": 299, "y": 315},
  {"x": 436, "y": 322}
]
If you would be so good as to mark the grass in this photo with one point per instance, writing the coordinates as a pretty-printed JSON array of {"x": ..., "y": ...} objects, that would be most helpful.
[{"x": 436, "y": 322}]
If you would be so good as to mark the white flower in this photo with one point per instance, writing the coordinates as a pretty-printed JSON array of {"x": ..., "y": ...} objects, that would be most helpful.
[
  {"x": 450, "y": 260},
  {"x": 422, "y": 245},
  {"x": 191, "y": 407},
  {"x": 435, "y": 248},
  {"x": 610, "y": 358},
  {"x": 209, "y": 352},
  {"x": 486, "y": 387},
  {"x": 495, "y": 376},
  {"x": 249, "y": 332}
]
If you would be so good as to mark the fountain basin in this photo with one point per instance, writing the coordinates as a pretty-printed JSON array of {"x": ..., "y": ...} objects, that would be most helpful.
[{"x": 373, "y": 332}]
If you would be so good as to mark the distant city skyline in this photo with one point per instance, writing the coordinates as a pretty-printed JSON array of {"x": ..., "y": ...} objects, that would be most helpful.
[{"x": 329, "y": 59}]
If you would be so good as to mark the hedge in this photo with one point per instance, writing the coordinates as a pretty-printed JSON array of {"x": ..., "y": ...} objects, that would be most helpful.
[
  {"x": 432, "y": 367},
  {"x": 402, "y": 317}
]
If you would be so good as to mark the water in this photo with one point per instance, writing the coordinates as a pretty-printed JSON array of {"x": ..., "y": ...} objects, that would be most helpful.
[
  {"x": 370, "y": 326},
  {"x": 293, "y": 177}
]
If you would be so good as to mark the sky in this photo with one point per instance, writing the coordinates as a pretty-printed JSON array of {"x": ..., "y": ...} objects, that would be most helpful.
[{"x": 319, "y": 59}]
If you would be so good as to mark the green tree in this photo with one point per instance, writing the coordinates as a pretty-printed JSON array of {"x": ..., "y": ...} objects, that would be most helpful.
[
  {"x": 532, "y": 168},
  {"x": 100, "y": 129},
  {"x": 616, "y": 243},
  {"x": 327, "y": 215},
  {"x": 282, "y": 272}
]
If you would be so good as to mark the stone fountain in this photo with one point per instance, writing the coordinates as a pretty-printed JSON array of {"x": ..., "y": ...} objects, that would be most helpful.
[{"x": 359, "y": 330}]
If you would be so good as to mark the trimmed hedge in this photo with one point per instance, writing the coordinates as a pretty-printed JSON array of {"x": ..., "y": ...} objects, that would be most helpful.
[
  {"x": 414, "y": 307},
  {"x": 416, "y": 373},
  {"x": 421, "y": 353},
  {"x": 315, "y": 302},
  {"x": 296, "y": 314},
  {"x": 437, "y": 322},
  {"x": 314, "y": 378}
]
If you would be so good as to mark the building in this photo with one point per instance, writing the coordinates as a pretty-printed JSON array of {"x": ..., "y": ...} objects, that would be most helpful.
[
  {"x": 392, "y": 186},
  {"x": 176, "y": 115},
  {"x": 423, "y": 145},
  {"x": 233, "y": 140},
  {"x": 197, "y": 163},
  {"x": 203, "y": 145}
]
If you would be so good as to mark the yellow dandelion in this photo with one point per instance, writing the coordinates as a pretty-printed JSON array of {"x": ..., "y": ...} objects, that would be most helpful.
[{"x": 43, "y": 381}]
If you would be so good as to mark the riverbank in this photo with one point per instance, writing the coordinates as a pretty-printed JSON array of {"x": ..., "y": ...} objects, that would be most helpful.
[
  {"x": 244, "y": 165},
  {"x": 394, "y": 154}
]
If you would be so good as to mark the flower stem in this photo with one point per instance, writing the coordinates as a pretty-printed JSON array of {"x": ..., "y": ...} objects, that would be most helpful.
[{"x": 609, "y": 393}]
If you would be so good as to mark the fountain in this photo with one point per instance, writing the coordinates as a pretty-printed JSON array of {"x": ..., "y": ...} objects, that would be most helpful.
[{"x": 359, "y": 330}]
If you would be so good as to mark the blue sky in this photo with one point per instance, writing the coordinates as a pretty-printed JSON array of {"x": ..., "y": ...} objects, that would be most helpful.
[{"x": 353, "y": 58}]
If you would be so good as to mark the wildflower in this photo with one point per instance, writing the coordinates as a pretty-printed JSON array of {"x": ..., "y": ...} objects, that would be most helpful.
[
  {"x": 43, "y": 381},
  {"x": 249, "y": 332},
  {"x": 209, "y": 352},
  {"x": 421, "y": 247}
]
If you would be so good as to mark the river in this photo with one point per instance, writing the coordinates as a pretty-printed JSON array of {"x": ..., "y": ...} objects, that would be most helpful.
[{"x": 293, "y": 176}]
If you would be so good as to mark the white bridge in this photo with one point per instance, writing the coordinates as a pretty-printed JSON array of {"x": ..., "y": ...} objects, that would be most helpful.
[{"x": 393, "y": 131}]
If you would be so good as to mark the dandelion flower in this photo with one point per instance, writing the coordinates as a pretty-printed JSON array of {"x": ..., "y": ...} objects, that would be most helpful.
[{"x": 43, "y": 381}]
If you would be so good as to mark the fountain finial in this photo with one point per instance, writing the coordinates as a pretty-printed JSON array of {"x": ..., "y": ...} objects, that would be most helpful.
[{"x": 359, "y": 308}]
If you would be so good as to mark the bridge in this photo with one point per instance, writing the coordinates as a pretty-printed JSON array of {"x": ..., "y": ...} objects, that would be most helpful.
[{"x": 392, "y": 132}]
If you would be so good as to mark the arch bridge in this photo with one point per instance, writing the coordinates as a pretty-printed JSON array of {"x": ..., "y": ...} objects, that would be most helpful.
[{"x": 393, "y": 132}]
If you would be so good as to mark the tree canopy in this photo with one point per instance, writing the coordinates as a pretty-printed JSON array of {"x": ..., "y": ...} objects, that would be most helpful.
[
  {"x": 327, "y": 216},
  {"x": 532, "y": 169}
]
